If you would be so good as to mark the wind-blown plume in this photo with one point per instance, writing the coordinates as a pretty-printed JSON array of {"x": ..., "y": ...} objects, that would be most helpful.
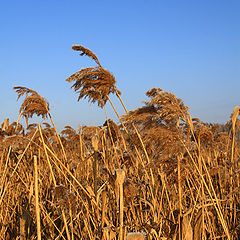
[
  {"x": 162, "y": 108},
  {"x": 94, "y": 83},
  {"x": 33, "y": 103},
  {"x": 87, "y": 52}
]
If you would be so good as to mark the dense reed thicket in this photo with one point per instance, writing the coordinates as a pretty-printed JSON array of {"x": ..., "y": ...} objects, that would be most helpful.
[{"x": 158, "y": 174}]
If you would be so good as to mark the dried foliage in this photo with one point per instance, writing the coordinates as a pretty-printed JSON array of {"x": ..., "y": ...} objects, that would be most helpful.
[
  {"x": 94, "y": 83},
  {"x": 33, "y": 103},
  {"x": 162, "y": 108},
  {"x": 81, "y": 193},
  {"x": 87, "y": 52},
  {"x": 179, "y": 176}
]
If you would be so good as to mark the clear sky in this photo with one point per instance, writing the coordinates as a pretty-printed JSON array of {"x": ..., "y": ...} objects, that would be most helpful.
[{"x": 191, "y": 48}]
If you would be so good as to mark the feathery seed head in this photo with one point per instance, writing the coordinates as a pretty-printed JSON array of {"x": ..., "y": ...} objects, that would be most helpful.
[
  {"x": 33, "y": 103},
  {"x": 85, "y": 51},
  {"x": 94, "y": 83}
]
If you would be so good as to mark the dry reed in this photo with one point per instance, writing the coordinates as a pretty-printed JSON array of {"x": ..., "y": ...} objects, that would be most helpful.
[{"x": 181, "y": 175}]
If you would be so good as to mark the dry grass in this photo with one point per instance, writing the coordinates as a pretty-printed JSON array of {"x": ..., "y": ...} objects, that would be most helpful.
[{"x": 160, "y": 172}]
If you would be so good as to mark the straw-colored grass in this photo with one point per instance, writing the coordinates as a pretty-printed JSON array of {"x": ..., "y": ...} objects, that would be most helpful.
[{"x": 159, "y": 174}]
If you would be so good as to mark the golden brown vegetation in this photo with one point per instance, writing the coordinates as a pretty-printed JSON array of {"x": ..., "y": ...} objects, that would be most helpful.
[{"x": 158, "y": 175}]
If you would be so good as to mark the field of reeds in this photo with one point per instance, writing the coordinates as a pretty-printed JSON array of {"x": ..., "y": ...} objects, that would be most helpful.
[{"x": 156, "y": 174}]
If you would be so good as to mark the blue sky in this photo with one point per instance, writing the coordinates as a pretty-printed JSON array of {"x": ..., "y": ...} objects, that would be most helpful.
[{"x": 191, "y": 48}]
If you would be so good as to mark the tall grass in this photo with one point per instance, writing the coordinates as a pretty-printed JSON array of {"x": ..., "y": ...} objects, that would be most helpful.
[{"x": 159, "y": 174}]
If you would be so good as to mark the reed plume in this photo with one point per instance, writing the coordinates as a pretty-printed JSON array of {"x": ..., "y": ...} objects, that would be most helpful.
[
  {"x": 163, "y": 108},
  {"x": 87, "y": 52},
  {"x": 33, "y": 103},
  {"x": 94, "y": 83},
  {"x": 170, "y": 109}
]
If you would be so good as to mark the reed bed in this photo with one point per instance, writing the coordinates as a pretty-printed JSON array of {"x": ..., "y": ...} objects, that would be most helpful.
[{"x": 158, "y": 174}]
